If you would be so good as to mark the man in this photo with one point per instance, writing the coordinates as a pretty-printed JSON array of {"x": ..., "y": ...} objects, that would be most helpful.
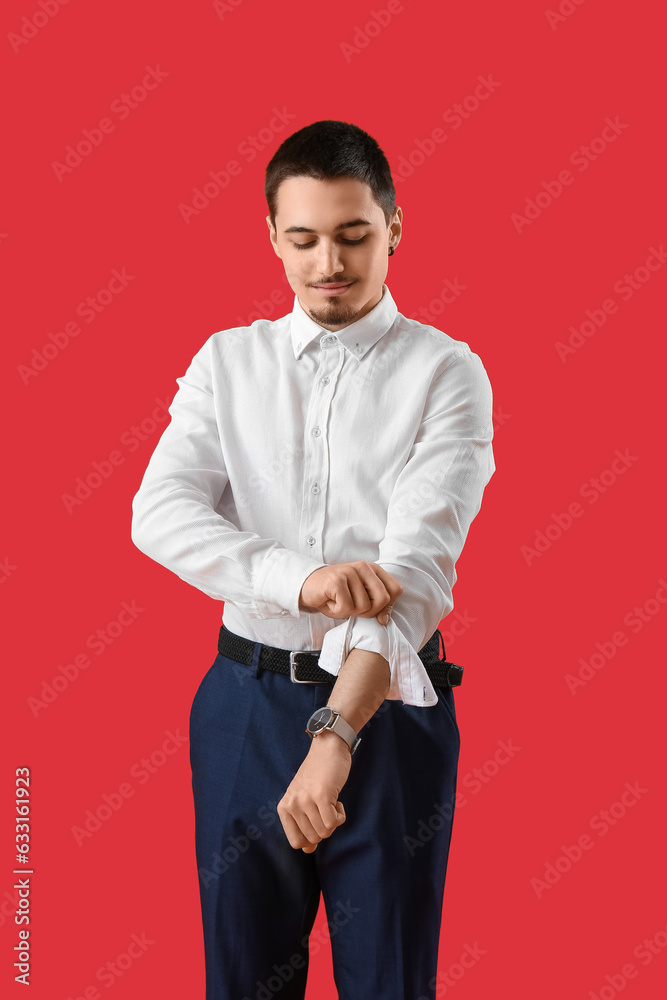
[{"x": 319, "y": 475}]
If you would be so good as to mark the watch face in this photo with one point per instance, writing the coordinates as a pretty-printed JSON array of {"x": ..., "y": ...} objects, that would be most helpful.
[{"x": 319, "y": 719}]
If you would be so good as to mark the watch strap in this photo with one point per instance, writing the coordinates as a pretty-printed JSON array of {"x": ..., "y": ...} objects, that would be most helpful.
[{"x": 345, "y": 730}]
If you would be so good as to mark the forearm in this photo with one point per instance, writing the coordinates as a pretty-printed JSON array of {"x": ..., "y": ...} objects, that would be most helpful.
[{"x": 361, "y": 687}]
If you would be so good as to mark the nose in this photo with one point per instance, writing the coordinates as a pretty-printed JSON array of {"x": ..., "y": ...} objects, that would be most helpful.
[{"x": 328, "y": 258}]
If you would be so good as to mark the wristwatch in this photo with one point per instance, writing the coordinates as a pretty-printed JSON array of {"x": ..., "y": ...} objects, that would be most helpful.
[{"x": 328, "y": 718}]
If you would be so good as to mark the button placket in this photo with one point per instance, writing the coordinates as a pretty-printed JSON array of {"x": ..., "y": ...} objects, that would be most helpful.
[{"x": 316, "y": 450}]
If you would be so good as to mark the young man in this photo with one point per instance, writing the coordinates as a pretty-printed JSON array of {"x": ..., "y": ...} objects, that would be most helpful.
[{"x": 319, "y": 475}]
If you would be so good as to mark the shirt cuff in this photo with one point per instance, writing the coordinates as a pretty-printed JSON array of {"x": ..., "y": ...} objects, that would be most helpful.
[
  {"x": 409, "y": 682},
  {"x": 279, "y": 582}
]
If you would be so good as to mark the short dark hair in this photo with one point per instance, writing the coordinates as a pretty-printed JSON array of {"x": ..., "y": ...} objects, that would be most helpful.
[{"x": 328, "y": 149}]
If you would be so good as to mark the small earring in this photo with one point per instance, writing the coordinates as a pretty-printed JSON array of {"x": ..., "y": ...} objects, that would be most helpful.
[{"x": 391, "y": 250}]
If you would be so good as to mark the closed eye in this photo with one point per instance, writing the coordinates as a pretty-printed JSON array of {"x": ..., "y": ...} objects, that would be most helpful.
[{"x": 304, "y": 246}]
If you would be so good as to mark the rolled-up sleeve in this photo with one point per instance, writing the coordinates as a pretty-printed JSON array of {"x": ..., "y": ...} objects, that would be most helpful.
[
  {"x": 175, "y": 521},
  {"x": 436, "y": 497}
]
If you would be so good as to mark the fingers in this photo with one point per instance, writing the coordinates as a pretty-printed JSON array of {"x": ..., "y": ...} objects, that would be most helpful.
[
  {"x": 360, "y": 588},
  {"x": 340, "y": 600},
  {"x": 382, "y": 588},
  {"x": 295, "y": 835},
  {"x": 368, "y": 592},
  {"x": 394, "y": 589},
  {"x": 347, "y": 591},
  {"x": 306, "y": 827},
  {"x": 391, "y": 583}
]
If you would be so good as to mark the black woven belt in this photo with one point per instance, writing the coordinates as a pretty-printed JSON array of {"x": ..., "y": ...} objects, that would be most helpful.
[{"x": 301, "y": 666}]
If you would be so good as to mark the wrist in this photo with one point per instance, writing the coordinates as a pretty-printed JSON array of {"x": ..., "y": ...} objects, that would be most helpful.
[
  {"x": 308, "y": 608},
  {"x": 301, "y": 604},
  {"x": 329, "y": 742}
]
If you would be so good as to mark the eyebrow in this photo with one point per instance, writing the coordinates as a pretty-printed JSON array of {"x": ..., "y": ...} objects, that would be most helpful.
[{"x": 342, "y": 225}]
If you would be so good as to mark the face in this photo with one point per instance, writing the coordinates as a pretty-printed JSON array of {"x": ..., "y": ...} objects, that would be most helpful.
[{"x": 334, "y": 242}]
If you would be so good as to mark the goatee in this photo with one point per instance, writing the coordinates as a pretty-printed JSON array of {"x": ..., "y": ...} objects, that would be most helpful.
[{"x": 336, "y": 314}]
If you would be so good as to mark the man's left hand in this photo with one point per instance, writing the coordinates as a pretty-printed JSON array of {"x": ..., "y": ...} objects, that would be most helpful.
[{"x": 309, "y": 810}]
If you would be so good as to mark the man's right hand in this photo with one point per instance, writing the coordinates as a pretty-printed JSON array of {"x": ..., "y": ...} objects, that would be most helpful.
[{"x": 355, "y": 588}]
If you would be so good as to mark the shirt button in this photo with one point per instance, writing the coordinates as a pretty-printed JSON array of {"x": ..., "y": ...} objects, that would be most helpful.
[
  {"x": 315, "y": 489},
  {"x": 284, "y": 612},
  {"x": 325, "y": 381},
  {"x": 316, "y": 432},
  {"x": 310, "y": 540}
]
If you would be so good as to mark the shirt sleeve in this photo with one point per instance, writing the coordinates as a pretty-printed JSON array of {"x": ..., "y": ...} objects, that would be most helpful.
[
  {"x": 436, "y": 497},
  {"x": 175, "y": 521}
]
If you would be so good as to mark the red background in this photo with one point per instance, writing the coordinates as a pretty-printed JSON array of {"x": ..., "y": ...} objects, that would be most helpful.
[{"x": 559, "y": 424}]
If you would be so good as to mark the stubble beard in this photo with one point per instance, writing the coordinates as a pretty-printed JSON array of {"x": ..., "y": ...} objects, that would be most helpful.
[{"x": 336, "y": 313}]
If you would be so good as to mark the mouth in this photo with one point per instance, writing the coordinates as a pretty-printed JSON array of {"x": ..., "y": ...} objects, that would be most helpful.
[{"x": 334, "y": 287}]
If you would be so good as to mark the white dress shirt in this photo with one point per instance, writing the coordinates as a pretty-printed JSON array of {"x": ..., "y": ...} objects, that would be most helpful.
[{"x": 291, "y": 447}]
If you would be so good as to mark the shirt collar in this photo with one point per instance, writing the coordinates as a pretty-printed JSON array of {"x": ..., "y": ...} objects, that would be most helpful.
[{"x": 357, "y": 337}]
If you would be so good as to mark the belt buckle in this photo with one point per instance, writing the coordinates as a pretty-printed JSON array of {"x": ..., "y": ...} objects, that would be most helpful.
[{"x": 293, "y": 668}]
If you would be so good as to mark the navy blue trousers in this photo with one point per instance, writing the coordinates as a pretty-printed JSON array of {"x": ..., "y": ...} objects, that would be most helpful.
[{"x": 381, "y": 873}]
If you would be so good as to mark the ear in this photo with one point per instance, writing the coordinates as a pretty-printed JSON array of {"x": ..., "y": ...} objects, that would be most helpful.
[
  {"x": 396, "y": 225},
  {"x": 273, "y": 236}
]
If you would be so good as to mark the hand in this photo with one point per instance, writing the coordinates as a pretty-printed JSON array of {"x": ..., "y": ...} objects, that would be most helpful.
[
  {"x": 309, "y": 810},
  {"x": 356, "y": 588}
]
